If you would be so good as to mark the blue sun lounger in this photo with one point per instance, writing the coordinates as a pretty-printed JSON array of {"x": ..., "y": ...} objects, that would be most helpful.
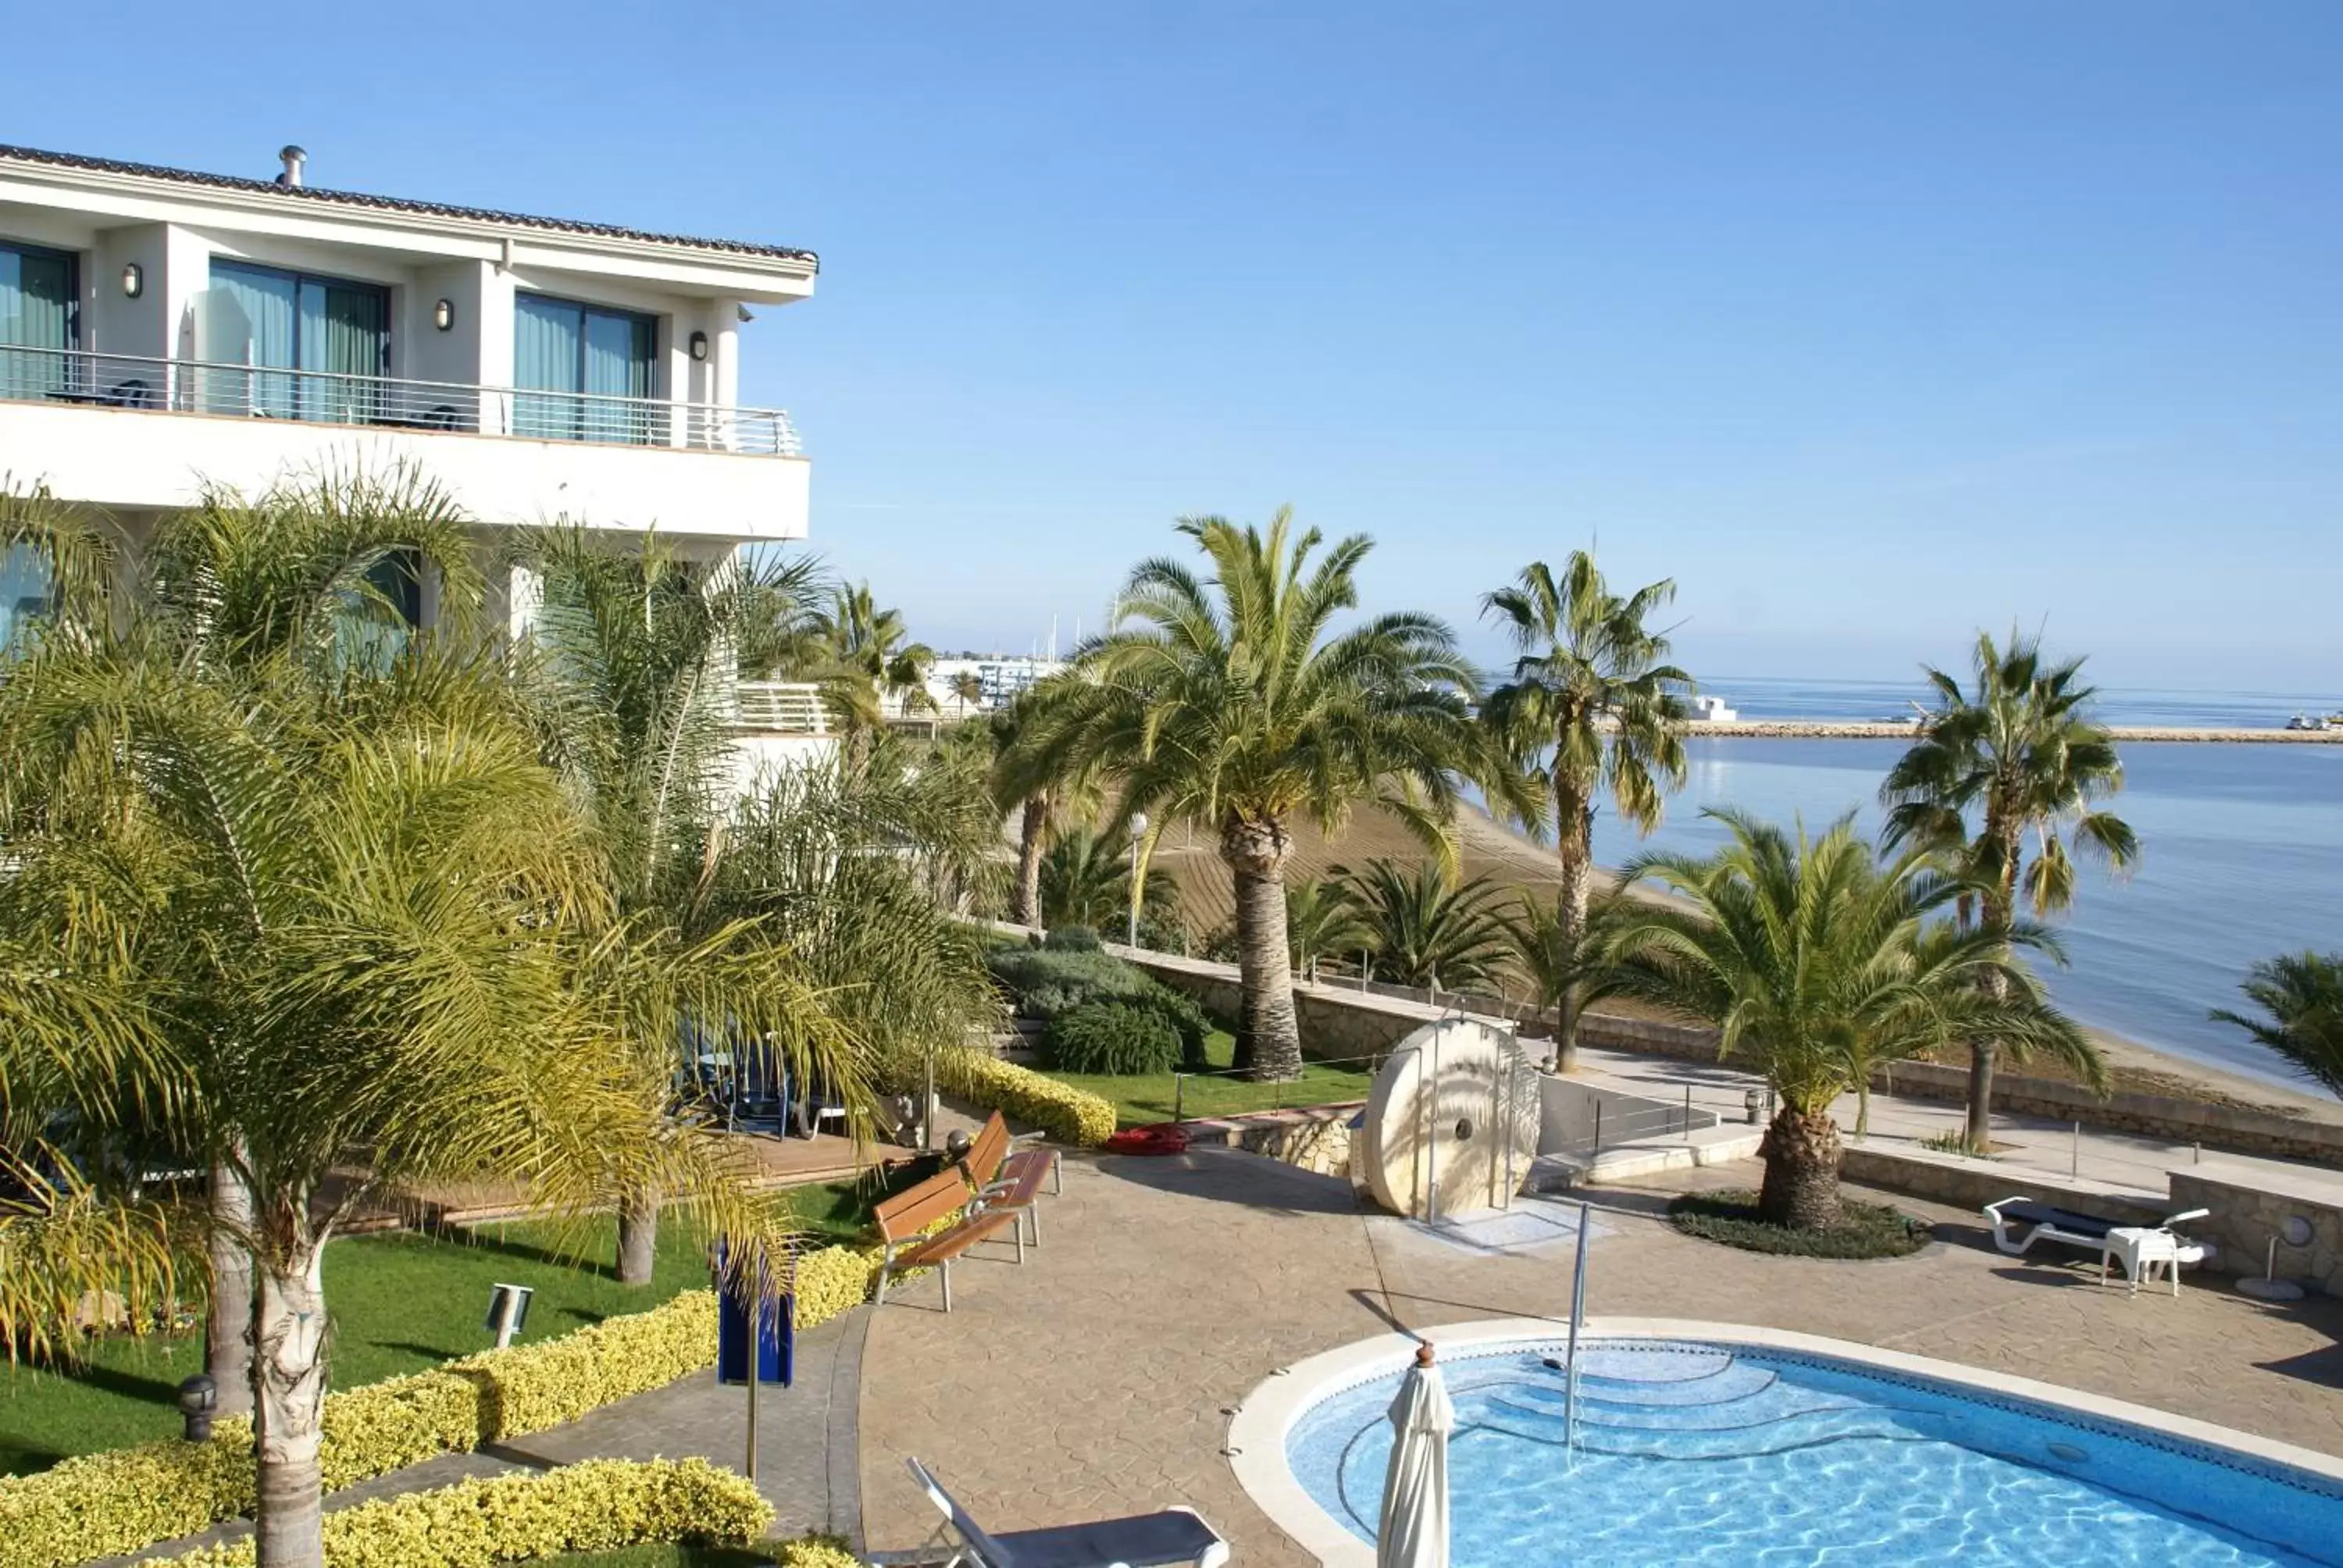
[{"x": 1176, "y": 1536}]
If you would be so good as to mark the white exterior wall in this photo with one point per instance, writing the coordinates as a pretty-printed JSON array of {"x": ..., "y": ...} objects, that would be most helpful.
[{"x": 144, "y": 459}]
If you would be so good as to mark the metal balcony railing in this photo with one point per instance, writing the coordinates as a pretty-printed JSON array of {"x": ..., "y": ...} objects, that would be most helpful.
[
  {"x": 384, "y": 402},
  {"x": 779, "y": 706}
]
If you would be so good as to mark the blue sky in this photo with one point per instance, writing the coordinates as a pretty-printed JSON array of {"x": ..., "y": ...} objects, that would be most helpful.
[{"x": 1869, "y": 323}]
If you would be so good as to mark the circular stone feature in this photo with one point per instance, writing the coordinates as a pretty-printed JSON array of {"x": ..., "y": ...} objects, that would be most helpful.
[{"x": 1451, "y": 1121}]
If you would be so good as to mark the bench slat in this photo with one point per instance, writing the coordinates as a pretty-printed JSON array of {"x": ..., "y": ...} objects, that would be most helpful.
[
  {"x": 951, "y": 1243},
  {"x": 910, "y": 1211}
]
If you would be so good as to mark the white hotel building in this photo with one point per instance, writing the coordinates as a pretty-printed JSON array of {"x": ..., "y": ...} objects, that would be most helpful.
[{"x": 160, "y": 328}]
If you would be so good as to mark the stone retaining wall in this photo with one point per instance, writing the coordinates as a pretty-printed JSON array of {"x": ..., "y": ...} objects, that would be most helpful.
[
  {"x": 1972, "y": 1183},
  {"x": 2151, "y": 1115},
  {"x": 1315, "y": 1137},
  {"x": 2252, "y": 1207}
]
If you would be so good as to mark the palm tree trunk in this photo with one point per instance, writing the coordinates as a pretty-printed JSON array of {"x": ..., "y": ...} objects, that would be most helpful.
[
  {"x": 1574, "y": 848},
  {"x": 1977, "y": 1135},
  {"x": 227, "y": 1330},
  {"x": 639, "y": 1214},
  {"x": 289, "y": 1414},
  {"x": 1271, "y": 1043},
  {"x": 1033, "y": 820},
  {"x": 1802, "y": 1156}
]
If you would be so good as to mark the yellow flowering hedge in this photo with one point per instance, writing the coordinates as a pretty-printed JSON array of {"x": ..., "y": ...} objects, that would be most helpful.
[
  {"x": 1070, "y": 1115},
  {"x": 816, "y": 1552},
  {"x": 598, "y": 1506},
  {"x": 108, "y": 1505}
]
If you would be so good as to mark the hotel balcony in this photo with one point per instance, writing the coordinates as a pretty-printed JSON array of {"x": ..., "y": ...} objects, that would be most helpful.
[{"x": 137, "y": 434}]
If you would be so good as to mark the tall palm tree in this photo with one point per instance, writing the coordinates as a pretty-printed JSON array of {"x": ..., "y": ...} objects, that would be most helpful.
[
  {"x": 366, "y": 918},
  {"x": 1424, "y": 928},
  {"x": 967, "y": 687},
  {"x": 1230, "y": 701},
  {"x": 1817, "y": 961},
  {"x": 1591, "y": 705},
  {"x": 314, "y": 580},
  {"x": 2019, "y": 759},
  {"x": 2301, "y": 998},
  {"x": 628, "y": 674},
  {"x": 1321, "y": 922}
]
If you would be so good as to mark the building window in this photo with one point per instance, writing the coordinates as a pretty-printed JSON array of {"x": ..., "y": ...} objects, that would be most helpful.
[
  {"x": 321, "y": 345},
  {"x": 40, "y": 320},
  {"x": 585, "y": 372}
]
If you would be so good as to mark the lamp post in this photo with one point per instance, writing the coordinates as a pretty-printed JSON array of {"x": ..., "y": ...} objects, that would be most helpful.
[{"x": 1137, "y": 831}]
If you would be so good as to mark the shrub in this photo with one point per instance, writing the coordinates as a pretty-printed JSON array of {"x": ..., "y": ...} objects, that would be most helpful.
[
  {"x": 1071, "y": 940},
  {"x": 601, "y": 1505},
  {"x": 1188, "y": 1016},
  {"x": 1121, "y": 1038},
  {"x": 1068, "y": 1114},
  {"x": 1047, "y": 983},
  {"x": 817, "y": 1551},
  {"x": 1864, "y": 1230},
  {"x": 108, "y": 1505}
]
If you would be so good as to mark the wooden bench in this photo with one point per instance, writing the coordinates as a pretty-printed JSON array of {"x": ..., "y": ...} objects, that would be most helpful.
[
  {"x": 1004, "y": 1177},
  {"x": 902, "y": 1216}
]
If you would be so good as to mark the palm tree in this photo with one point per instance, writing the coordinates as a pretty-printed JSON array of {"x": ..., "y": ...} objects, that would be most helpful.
[
  {"x": 967, "y": 687},
  {"x": 2020, "y": 758},
  {"x": 314, "y": 579},
  {"x": 1086, "y": 881},
  {"x": 1424, "y": 927},
  {"x": 628, "y": 673},
  {"x": 365, "y": 920},
  {"x": 2301, "y": 998},
  {"x": 1229, "y": 702},
  {"x": 1593, "y": 705},
  {"x": 1321, "y": 922},
  {"x": 1558, "y": 957},
  {"x": 1817, "y": 961},
  {"x": 871, "y": 660}
]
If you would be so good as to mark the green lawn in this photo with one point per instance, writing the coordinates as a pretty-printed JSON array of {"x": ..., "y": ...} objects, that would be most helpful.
[
  {"x": 1141, "y": 1101},
  {"x": 402, "y": 1301}
]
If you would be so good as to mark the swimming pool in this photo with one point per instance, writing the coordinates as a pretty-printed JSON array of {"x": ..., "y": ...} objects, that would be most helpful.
[{"x": 1698, "y": 1449}]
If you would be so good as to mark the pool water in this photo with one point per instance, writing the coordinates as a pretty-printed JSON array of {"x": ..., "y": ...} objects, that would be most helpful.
[{"x": 1704, "y": 1454}]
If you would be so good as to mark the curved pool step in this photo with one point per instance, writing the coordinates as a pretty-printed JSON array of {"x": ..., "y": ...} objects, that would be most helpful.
[
  {"x": 1738, "y": 1383},
  {"x": 1811, "y": 1429},
  {"x": 1775, "y": 1405}
]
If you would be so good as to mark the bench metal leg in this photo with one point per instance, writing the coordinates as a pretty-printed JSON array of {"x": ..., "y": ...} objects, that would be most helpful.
[
  {"x": 946, "y": 1273},
  {"x": 878, "y": 1297},
  {"x": 1057, "y": 1174}
]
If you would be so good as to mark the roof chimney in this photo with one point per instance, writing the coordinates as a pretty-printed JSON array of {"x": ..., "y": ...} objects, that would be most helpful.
[{"x": 294, "y": 158}]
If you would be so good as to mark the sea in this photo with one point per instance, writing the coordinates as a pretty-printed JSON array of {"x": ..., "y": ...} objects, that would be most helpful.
[{"x": 2241, "y": 847}]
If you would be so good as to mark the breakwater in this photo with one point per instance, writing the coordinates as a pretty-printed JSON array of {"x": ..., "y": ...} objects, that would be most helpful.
[{"x": 1837, "y": 730}]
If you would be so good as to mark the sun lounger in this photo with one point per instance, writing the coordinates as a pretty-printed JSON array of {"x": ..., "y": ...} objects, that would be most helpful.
[
  {"x": 2139, "y": 1248},
  {"x": 2044, "y": 1223},
  {"x": 1176, "y": 1536},
  {"x": 903, "y": 1216}
]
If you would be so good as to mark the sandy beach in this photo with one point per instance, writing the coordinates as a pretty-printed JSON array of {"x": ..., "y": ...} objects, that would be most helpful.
[{"x": 1486, "y": 847}]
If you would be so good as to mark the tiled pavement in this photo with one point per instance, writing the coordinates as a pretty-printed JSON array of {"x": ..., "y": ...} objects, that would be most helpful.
[{"x": 1095, "y": 1379}]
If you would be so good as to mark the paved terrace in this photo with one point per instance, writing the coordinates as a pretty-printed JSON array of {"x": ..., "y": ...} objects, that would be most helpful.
[{"x": 1095, "y": 1380}]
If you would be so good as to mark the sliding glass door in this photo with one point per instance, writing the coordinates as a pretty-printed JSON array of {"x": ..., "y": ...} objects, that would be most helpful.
[
  {"x": 585, "y": 372},
  {"x": 40, "y": 321},
  {"x": 336, "y": 333}
]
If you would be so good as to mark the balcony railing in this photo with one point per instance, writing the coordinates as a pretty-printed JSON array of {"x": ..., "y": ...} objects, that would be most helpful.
[
  {"x": 780, "y": 706},
  {"x": 384, "y": 402}
]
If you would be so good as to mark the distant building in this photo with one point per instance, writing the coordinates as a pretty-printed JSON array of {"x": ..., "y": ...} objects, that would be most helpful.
[{"x": 1004, "y": 680}]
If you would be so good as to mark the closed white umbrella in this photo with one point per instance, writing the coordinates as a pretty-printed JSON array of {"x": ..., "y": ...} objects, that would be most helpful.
[{"x": 1413, "y": 1530}]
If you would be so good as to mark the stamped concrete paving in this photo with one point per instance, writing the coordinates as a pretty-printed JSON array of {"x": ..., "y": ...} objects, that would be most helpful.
[{"x": 1095, "y": 1379}]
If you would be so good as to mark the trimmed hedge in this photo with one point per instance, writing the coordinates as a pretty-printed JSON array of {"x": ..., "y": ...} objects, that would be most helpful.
[
  {"x": 600, "y": 1505},
  {"x": 1068, "y": 1114},
  {"x": 817, "y": 1551},
  {"x": 110, "y": 1504},
  {"x": 1049, "y": 982},
  {"x": 1119, "y": 1038}
]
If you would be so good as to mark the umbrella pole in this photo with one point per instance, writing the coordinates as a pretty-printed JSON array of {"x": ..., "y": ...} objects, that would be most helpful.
[{"x": 1577, "y": 1317}]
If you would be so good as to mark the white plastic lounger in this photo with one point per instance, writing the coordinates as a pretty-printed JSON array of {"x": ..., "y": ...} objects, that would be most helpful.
[
  {"x": 2141, "y": 1248},
  {"x": 2044, "y": 1223},
  {"x": 1176, "y": 1536}
]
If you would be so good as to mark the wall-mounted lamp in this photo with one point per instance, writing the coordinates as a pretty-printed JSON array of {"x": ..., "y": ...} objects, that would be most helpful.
[
  {"x": 133, "y": 280},
  {"x": 443, "y": 314},
  {"x": 700, "y": 346}
]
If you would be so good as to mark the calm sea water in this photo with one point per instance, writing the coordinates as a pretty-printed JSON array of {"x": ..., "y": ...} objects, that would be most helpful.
[{"x": 2241, "y": 850}]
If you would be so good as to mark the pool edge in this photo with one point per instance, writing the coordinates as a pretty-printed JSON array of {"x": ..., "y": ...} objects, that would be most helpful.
[{"x": 1262, "y": 1419}]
